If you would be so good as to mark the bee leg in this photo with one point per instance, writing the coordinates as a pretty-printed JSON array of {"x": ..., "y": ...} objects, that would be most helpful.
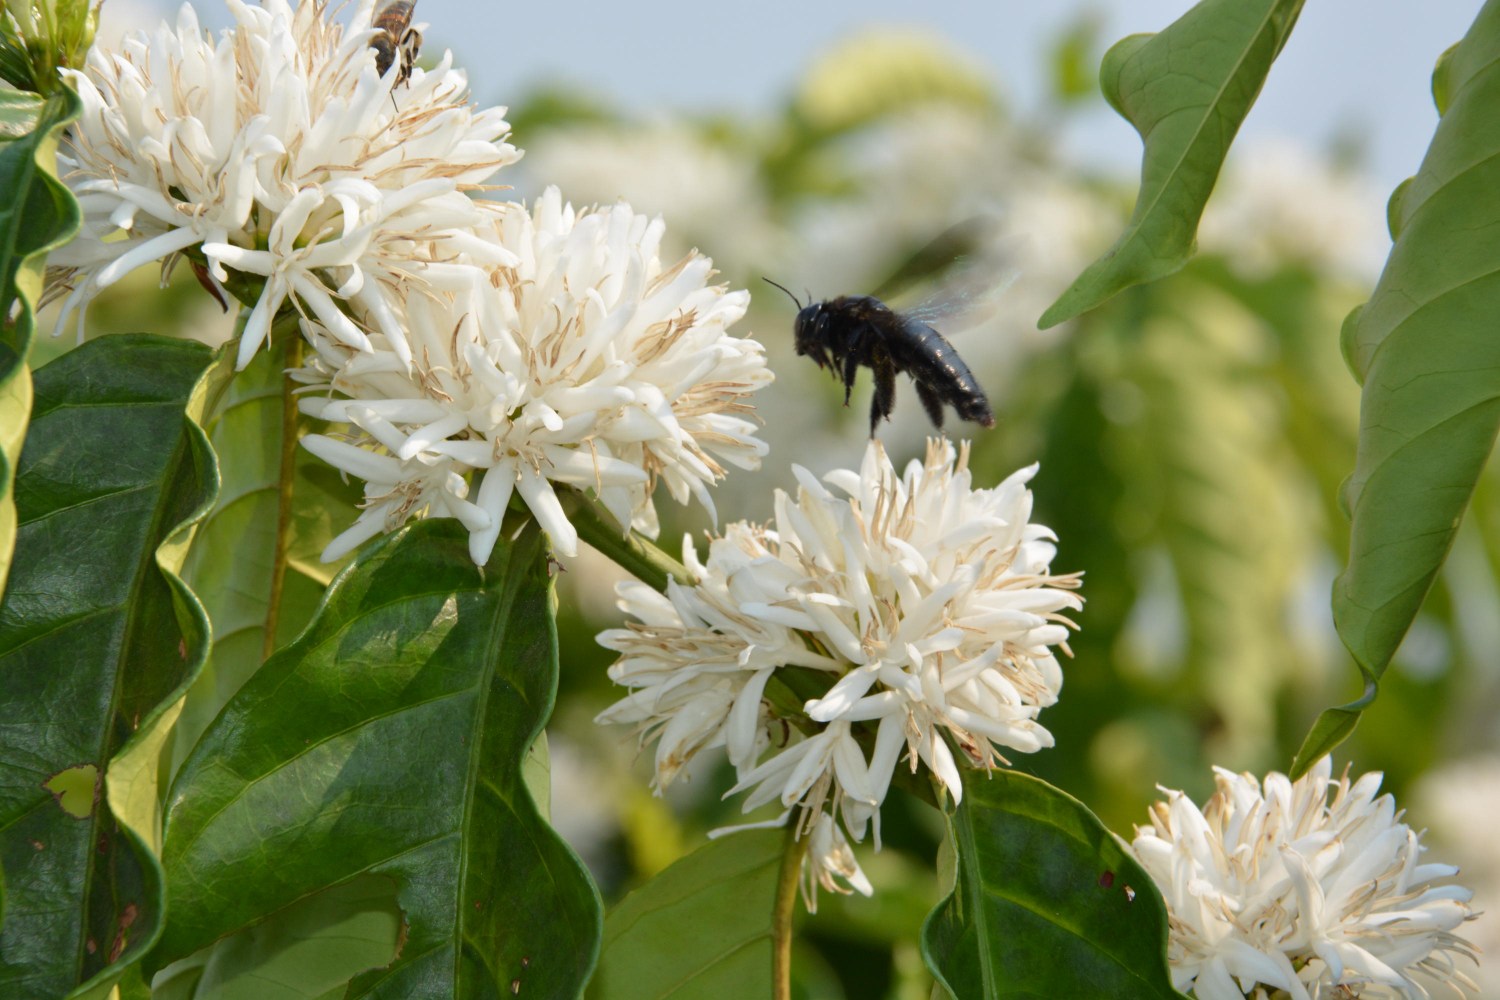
[
  {"x": 851, "y": 369},
  {"x": 931, "y": 402},
  {"x": 885, "y": 393}
]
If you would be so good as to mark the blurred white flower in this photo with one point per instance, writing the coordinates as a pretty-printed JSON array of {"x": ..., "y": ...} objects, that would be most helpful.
[
  {"x": 556, "y": 348},
  {"x": 708, "y": 194},
  {"x": 928, "y": 604},
  {"x": 1285, "y": 204},
  {"x": 1274, "y": 885},
  {"x": 1459, "y": 801},
  {"x": 278, "y": 152}
]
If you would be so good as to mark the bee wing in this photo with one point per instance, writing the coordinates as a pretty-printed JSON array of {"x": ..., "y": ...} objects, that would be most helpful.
[
  {"x": 940, "y": 255},
  {"x": 969, "y": 293}
]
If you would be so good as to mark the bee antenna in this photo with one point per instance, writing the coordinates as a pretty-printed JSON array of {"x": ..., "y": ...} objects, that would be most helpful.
[{"x": 787, "y": 290}]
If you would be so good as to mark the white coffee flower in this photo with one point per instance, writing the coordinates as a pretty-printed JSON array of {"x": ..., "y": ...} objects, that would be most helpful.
[
  {"x": 555, "y": 348},
  {"x": 278, "y": 152},
  {"x": 1275, "y": 886},
  {"x": 928, "y": 604}
]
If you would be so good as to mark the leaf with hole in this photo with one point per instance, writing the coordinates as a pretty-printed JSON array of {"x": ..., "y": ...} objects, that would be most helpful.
[{"x": 97, "y": 637}]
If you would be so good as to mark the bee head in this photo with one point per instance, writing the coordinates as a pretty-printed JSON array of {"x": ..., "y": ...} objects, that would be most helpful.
[{"x": 809, "y": 328}]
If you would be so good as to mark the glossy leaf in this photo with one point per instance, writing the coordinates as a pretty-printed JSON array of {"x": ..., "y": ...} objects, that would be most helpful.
[
  {"x": 313, "y": 947},
  {"x": 36, "y": 214},
  {"x": 700, "y": 928},
  {"x": 1186, "y": 90},
  {"x": 232, "y": 564},
  {"x": 389, "y": 741},
  {"x": 1047, "y": 903},
  {"x": 97, "y": 637},
  {"x": 1425, "y": 349},
  {"x": 20, "y": 113}
]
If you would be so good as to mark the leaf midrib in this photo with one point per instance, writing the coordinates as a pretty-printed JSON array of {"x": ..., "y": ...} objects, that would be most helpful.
[
  {"x": 976, "y": 884},
  {"x": 497, "y": 635}
]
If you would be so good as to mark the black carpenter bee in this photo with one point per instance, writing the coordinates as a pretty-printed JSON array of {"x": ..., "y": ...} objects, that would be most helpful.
[
  {"x": 851, "y": 331},
  {"x": 396, "y": 38}
]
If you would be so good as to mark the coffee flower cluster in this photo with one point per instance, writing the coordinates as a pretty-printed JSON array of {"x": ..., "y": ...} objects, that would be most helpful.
[
  {"x": 467, "y": 350},
  {"x": 276, "y": 151},
  {"x": 575, "y": 357},
  {"x": 1275, "y": 886},
  {"x": 927, "y": 606}
]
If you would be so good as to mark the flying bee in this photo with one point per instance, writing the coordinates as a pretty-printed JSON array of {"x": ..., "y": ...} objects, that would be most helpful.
[
  {"x": 396, "y": 38},
  {"x": 854, "y": 331},
  {"x": 973, "y": 262}
]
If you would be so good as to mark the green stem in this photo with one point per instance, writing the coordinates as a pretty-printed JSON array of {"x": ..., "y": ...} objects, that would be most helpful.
[
  {"x": 289, "y": 343},
  {"x": 785, "y": 907},
  {"x": 639, "y": 557}
]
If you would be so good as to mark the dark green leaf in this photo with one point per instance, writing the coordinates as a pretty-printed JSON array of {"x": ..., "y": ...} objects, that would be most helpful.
[
  {"x": 1425, "y": 349},
  {"x": 313, "y": 947},
  {"x": 701, "y": 928},
  {"x": 36, "y": 214},
  {"x": 97, "y": 635},
  {"x": 1186, "y": 91},
  {"x": 232, "y": 565},
  {"x": 389, "y": 740},
  {"x": 1048, "y": 903}
]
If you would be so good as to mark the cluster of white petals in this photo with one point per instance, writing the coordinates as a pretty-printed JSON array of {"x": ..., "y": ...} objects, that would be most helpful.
[
  {"x": 928, "y": 606},
  {"x": 556, "y": 349},
  {"x": 1277, "y": 886},
  {"x": 279, "y": 152}
]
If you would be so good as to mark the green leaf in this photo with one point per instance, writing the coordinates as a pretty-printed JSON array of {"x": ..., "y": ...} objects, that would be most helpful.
[
  {"x": 313, "y": 947},
  {"x": 1442, "y": 84},
  {"x": 1048, "y": 903},
  {"x": 389, "y": 741},
  {"x": 1186, "y": 91},
  {"x": 232, "y": 564},
  {"x": 97, "y": 637},
  {"x": 20, "y": 114},
  {"x": 36, "y": 214},
  {"x": 1425, "y": 349},
  {"x": 1332, "y": 727},
  {"x": 703, "y": 927}
]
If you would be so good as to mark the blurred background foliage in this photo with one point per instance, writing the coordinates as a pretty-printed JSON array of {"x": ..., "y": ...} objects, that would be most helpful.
[{"x": 1192, "y": 436}]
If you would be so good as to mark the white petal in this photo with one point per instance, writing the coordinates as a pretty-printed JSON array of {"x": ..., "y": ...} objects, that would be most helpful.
[{"x": 540, "y": 497}]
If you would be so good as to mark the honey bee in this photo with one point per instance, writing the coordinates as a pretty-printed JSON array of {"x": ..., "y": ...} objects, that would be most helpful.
[
  {"x": 854, "y": 331},
  {"x": 396, "y": 38}
]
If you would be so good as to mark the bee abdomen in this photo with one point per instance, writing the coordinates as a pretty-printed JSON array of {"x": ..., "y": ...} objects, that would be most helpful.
[{"x": 930, "y": 359}]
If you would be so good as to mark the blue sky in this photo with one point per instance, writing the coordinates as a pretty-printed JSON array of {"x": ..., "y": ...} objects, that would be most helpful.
[{"x": 1353, "y": 68}]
